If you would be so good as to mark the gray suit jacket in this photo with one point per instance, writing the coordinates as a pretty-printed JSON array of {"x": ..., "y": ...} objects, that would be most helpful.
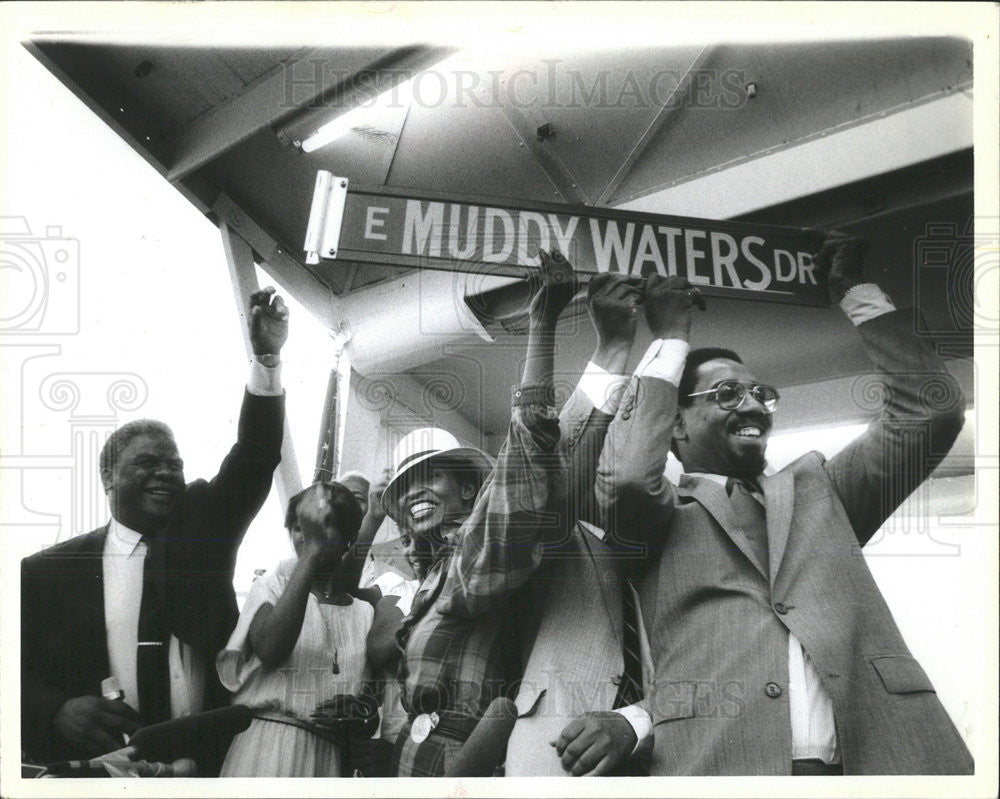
[
  {"x": 718, "y": 624},
  {"x": 572, "y": 620}
]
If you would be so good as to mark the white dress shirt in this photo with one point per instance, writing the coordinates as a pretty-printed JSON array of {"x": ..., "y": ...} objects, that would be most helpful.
[
  {"x": 812, "y": 720},
  {"x": 123, "y": 562},
  {"x": 602, "y": 388}
]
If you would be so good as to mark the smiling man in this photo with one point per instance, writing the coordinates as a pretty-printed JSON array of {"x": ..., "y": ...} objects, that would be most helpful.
[
  {"x": 148, "y": 598},
  {"x": 773, "y": 649}
]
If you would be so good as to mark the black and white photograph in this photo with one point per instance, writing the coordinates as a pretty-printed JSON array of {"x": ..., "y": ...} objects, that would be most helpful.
[{"x": 545, "y": 398}]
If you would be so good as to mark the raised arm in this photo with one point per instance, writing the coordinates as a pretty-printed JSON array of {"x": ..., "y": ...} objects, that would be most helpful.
[
  {"x": 354, "y": 559},
  {"x": 612, "y": 302},
  {"x": 499, "y": 544},
  {"x": 635, "y": 498},
  {"x": 922, "y": 404},
  {"x": 233, "y": 497},
  {"x": 275, "y": 628}
]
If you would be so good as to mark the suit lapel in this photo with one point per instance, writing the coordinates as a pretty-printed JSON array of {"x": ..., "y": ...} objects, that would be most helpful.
[
  {"x": 89, "y": 603},
  {"x": 607, "y": 574},
  {"x": 778, "y": 499},
  {"x": 714, "y": 499}
]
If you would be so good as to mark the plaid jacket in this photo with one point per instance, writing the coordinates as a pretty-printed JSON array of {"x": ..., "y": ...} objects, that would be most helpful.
[{"x": 460, "y": 645}]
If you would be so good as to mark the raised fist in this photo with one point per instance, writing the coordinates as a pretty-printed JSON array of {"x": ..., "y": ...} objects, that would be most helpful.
[
  {"x": 613, "y": 301},
  {"x": 841, "y": 261},
  {"x": 558, "y": 286},
  {"x": 267, "y": 322},
  {"x": 667, "y": 303}
]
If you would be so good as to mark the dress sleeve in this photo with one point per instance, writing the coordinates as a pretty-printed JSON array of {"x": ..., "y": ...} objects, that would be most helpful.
[{"x": 236, "y": 663}]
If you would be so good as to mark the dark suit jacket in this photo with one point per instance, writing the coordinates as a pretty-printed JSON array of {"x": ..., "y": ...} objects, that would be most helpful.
[
  {"x": 718, "y": 624},
  {"x": 64, "y": 650}
]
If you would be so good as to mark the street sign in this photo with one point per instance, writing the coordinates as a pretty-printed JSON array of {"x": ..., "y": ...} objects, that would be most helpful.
[{"x": 734, "y": 259}]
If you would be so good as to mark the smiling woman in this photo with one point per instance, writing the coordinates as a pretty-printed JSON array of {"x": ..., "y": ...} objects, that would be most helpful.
[
  {"x": 435, "y": 482},
  {"x": 473, "y": 548}
]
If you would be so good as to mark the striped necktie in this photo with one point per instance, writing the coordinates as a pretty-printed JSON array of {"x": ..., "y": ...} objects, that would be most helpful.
[{"x": 630, "y": 687}]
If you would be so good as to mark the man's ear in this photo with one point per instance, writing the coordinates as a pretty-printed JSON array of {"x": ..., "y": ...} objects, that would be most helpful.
[
  {"x": 680, "y": 429},
  {"x": 106, "y": 479}
]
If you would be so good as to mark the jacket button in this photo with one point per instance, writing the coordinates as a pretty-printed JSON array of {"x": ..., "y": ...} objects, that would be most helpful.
[
  {"x": 626, "y": 415},
  {"x": 773, "y": 690},
  {"x": 781, "y": 607}
]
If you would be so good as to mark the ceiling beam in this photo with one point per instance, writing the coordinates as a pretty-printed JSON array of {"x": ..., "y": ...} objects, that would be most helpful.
[
  {"x": 671, "y": 110},
  {"x": 297, "y": 88},
  {"x": 295, "y": 84},
  {"x": 566, "y": 185}
]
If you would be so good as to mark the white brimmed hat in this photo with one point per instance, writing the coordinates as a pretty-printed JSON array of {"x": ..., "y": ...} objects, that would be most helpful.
[{"x": 422, "y": 445}]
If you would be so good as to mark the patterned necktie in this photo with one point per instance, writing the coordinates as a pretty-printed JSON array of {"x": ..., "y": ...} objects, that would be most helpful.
[
  {"x": 748, "y": 484},
  {"x": 151, "y": 666},
  {"x": 630, "y": 687},
  {"x": 749, "y": 509}
]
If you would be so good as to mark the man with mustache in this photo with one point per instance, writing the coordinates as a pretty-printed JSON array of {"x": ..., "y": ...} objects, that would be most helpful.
[
  {"x": 773, "y": 649},
  {"x": 148, "y": 598}
]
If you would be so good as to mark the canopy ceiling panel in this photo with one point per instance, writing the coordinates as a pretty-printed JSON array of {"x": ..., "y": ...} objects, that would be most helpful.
[
  {"x": 802, "y": 91},
  {"x": 467, "y": 151},
  {"x": 225, "y": 122}
]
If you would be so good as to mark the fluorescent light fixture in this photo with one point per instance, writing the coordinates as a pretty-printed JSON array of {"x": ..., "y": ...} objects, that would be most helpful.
[{"x": 395, "y": 96}]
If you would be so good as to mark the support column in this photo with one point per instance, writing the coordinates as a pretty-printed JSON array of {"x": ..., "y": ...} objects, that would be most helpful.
[{"x": 244, "y": 280}]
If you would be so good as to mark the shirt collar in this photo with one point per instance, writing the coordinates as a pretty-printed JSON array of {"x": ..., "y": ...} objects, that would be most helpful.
[
  {"x": 721, "y": 478},
  {"x": 715, "y": 478},
  {"x": 124, "y": 539}
]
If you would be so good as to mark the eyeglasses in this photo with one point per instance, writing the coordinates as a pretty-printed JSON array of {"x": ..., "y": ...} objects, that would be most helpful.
[{"x": 729, "y": 395}]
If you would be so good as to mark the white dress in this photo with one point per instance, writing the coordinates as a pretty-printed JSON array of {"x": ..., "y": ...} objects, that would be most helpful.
[{"x": 273, "y": 746}]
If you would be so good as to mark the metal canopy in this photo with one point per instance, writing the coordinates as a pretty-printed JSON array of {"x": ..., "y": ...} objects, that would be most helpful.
[{"x": 605, "y": 126}]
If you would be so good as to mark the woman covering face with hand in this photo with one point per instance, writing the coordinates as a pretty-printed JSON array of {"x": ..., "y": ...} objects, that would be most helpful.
[{"x": 299, "y": 643}]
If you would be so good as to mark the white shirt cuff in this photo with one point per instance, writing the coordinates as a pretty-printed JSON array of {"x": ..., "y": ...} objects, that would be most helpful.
[
  {"x": 265, "y": 381},
  {"x": 864, "y": 302},
  {"x": 664, "y": 359},
  {"x": 640, "y": 721},
  {"x": 602, "y": 388}
]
